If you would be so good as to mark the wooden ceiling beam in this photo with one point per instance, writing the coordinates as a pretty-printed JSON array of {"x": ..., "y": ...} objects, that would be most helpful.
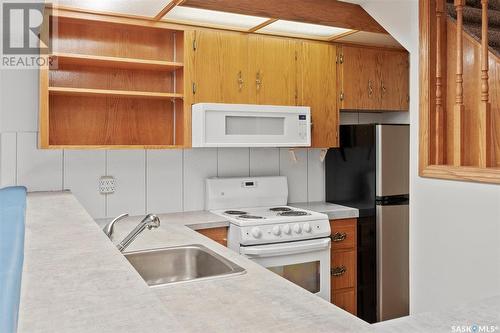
[
  {"x": 347, "y": 33},
  {"x": 168, "y": 8},
  {"x": 326, "y": 12},
  {"x": 262, "y": 25}
]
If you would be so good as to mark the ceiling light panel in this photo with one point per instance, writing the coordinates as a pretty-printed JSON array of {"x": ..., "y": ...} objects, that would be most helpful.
[
  {"x": 212, "y": 18},
  {"x": 147, "y": 8},
  {"x": 298, "y": 29}
]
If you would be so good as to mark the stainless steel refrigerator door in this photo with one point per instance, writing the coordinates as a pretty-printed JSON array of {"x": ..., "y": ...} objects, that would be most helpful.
[
  {"x": 392, "y": 262},
  {"x": 393, "y": 160}
]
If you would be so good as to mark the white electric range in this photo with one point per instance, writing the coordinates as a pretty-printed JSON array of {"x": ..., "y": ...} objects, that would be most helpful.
[{"x": 289, "y": 241}]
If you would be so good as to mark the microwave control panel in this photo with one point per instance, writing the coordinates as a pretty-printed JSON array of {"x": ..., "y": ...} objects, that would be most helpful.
[{"x": 303, "y": 124}]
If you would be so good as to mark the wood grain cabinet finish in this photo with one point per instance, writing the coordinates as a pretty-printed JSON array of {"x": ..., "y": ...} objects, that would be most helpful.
[
  {"x": 346, "y": 300},
  {"x": 373, "y": 79},
  {"x": 317, "y": 63},
  {"x": 216, "y": 234},
  {"x": 273, "y": 70},
  {"x": 232, "y": 67},
  {"x": 220, "y": 67},
  {"x": 344, "y": 264},
  {"x": 111, "y": 85},
  {"x": 395, "y": 80}
]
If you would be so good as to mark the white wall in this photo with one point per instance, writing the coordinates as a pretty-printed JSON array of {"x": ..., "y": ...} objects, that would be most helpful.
[
  {"x": 147, "y": 181},
  {"x": 455, "y": 226}
]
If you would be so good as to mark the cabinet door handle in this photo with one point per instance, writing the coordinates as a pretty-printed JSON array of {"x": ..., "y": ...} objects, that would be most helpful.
[
  {"x": 384, "y": 90},
  {"x": 370, "y": 88},
  {"x": 338, "y": 271},
  {"x": 240, "y": 80},
  {"x": 258, "y": 80},
  {"x": 339, "y": 237}
]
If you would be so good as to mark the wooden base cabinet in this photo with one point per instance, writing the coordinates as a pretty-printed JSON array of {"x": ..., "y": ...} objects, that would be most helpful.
[
  {"x": 344, "y": 264},
  {"x": 216, "y": 234}
]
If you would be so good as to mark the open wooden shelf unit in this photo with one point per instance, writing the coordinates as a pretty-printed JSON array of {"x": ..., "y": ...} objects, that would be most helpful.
[{"x": 112, "y": 85}]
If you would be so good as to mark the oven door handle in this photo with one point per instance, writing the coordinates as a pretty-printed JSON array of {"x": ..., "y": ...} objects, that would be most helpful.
[{"x": 286, "y": 248}]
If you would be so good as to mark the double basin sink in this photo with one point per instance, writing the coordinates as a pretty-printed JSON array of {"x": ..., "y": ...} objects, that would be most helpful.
[{"x": 170, "y": 265}]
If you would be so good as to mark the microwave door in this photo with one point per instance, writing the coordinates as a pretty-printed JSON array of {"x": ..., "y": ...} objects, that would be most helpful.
[{"x": 222, "y": 125}]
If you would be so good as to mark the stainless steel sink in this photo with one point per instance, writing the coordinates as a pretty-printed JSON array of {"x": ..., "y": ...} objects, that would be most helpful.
[{"x": 180, "y": 264}]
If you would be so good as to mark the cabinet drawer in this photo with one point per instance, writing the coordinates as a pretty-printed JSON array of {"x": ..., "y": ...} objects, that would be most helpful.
[
  {"x": 343, "y": 234},
  {"x": 346, "y": 300},
  {"x": 343, "y": 269},
  {"x": 216, "y": 234}
]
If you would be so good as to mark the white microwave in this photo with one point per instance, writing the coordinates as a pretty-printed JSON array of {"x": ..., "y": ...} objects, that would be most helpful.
[{"x": 245, "y": 125}]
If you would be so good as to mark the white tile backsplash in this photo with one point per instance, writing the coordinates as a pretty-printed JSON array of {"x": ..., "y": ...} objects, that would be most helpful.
[
  {"x": 264, "y": 162},
  {"x": 164, "y": 180},
  {"x": 296, "y": 172},
  {"x": 129, "y": 170},
  {"x": 19, "y": 111},
  {"x": 153, "y": 181},
  {"x": 8, "y": 148},
  {"x": 82, "y": 170},
  {"x": 199, "y": 164},
  {"x": 233, "y": 162},
  {"x": 38, "y": 170},
  {"x": 315, "y": 176}
]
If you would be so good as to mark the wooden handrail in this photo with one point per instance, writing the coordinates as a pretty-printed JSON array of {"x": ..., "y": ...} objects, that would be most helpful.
[
  {"x": 470, "y": 153},
  {"x": 439, "y": 118},
  {"x": 459, "y": 99},
  {"x": 485, "y": 106}
]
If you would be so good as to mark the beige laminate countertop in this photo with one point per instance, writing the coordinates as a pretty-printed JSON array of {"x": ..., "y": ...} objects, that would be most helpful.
[{"x": 75, "y": 280}]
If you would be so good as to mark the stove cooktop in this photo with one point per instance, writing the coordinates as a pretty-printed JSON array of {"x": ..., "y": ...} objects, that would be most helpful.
[{"x": 269, "y": 215}]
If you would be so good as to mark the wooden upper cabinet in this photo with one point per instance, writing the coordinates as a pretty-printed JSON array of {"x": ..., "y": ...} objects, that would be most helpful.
[
  {"x": 372, "y": 79},
  {"x": 220, "y": 67},
  {"x": 395, "y": 80},
  {"x": 273, "y": 70},
  {"x": 359, "y": 78},
  {"x": 317, "y": 63}
]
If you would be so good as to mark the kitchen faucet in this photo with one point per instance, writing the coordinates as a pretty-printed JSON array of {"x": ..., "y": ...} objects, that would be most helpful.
[{"x": 150, "y": 222}]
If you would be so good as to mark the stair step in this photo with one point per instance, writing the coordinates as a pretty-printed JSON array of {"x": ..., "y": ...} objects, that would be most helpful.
[
  {"x": 474, "y": 15},
  {"x": 493, "y": 34}
]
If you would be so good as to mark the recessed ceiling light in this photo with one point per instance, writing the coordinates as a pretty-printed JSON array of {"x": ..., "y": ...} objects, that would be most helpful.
[
  {"x": 148, "y": 8},
  {"x": 212, "y": 18},
  {"x": 299, "y": 29}
]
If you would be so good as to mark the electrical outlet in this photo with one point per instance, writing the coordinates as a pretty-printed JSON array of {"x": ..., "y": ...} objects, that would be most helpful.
[{"x": 107, "y": 185}]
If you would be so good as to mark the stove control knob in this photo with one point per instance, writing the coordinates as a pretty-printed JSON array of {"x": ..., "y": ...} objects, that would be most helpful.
[
  {"x": 306, "y": 227},
  {"x": 276, "y": 230},
  {"x": 256, "y": 232},
  {"x": 286, "y": 229},
  {"x": 297, "y": 229}
]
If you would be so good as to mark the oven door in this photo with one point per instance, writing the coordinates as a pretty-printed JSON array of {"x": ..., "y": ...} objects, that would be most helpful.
[{"x": 305, "y": 263}]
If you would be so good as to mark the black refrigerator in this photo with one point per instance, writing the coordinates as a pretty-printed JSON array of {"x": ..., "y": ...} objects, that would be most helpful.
[{"x": 370, "y": 171}]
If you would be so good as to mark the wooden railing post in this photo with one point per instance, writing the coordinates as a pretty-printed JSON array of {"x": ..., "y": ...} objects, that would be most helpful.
[
  {"x": 439, "y": 118},
  {"x": 485, "y": 106},
  {"x": 459, "y": 99}
]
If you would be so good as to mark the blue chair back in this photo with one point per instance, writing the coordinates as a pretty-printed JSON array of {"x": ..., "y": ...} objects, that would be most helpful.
[{"x": 12, "y": 214}]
